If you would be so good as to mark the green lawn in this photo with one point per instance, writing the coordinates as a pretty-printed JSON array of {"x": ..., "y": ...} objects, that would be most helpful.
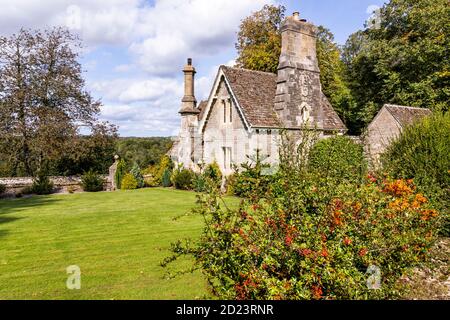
[{"x": 117, "y": 239}]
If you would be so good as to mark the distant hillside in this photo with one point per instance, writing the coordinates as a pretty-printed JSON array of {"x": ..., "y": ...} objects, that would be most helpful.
[{"x": 143, "y": 151}]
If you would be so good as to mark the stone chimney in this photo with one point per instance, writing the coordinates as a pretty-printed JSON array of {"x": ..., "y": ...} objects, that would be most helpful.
[
  {"x": 298, "y": 95},
  {"x": 189, "y": 140},
  {"x": 189, "y": 103}
]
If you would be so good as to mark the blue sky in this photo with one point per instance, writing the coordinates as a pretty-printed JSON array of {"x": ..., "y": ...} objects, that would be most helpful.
[{"x": 135, "y": 49}]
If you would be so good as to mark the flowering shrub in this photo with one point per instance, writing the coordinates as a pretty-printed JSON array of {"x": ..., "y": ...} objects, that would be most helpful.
[
  {"x": 422, "y": 153},
  {"x": 313, "y": 238}
]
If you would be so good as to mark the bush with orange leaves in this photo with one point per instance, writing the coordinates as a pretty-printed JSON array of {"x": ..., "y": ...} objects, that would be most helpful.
[{"x": 314, "y": 238}]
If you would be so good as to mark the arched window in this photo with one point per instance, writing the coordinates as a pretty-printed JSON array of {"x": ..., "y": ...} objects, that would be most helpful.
[{"x": 305, "y": 112}]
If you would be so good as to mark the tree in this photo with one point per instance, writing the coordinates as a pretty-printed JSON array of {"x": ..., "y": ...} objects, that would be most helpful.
[
  {"x": 137, "y": 174},
  {"x": 259, "y": 39},
  {"x": 405, "y": 61},
  {"x": 332, "y": 77},
  {"x": 43, "y": 102},
  {"x": 143, "y": 151},
  {"x": 89, "y": 153}
]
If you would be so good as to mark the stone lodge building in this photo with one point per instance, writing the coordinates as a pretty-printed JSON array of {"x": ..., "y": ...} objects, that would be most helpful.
[
  {"x": 247, "y": 109},
  {"x": 387, "y": 126}
]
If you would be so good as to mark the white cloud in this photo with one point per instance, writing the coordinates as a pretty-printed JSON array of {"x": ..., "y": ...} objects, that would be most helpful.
[
  {"x": 133, "y": 119},
  {"x": 158, "y": 36},
  {"x": 98, "y": 22},
  {"x": 135, "y": 90},
  {"x": 196, "y": 28},
  {"x": 124, "y": 68}
]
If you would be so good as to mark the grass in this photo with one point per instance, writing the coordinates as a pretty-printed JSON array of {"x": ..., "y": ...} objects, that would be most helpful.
[{"x": 117, "y": 239}]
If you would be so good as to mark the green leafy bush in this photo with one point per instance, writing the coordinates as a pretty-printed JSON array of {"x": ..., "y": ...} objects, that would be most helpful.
[
  {"x": 252, "y": 179},
  {"x": 129, "y": 182},
  {"x": 422, "y": 153},
  {"x": 183, "y": 179},
  {"x": 2, "y": 189},
  {"x": 312, "y": 237},
  {"x": 91, "y": 182},
  {"x": 212, "y": 171},
  {"x": 120, "y": 172},
  {"x": 41, "y": 185},
  {"x": 338, "y": 158},
  {"x": 25, "y": 191},
  {"x": 229, "y": 185},
  {"x": 199, "y": 182},
  {"x": 166, "y": 178},
  {"x": 136, "y": 172}
]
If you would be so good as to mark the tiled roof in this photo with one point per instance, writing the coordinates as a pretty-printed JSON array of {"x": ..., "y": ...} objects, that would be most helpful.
[
  {"x": 407, "y": 115},
  {"x": 331, "y": 120},
  {"x": 255, "y": 92}
]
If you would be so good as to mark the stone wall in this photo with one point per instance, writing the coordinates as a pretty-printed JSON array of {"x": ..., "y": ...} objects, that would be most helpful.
[
  {"x": 61, "y": 184},
  {"x": 232, "y": 135},
  {"x": 379, "y": 135}
]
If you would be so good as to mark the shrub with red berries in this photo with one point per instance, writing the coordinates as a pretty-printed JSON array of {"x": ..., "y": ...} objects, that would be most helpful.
[{"x": 315, "y": 238}]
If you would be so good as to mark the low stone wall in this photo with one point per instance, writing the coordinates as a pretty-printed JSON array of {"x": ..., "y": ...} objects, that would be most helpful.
[{"x": 68, "y": 184}]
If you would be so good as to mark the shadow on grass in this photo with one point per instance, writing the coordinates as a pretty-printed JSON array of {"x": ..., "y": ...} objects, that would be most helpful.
[{"x": 10, "y": 209}]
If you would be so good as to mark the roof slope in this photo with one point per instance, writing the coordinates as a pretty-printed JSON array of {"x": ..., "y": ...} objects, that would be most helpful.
[
  {"x": 407, "y": 115},
  {"x": 331, "y": 120},
  {"x": 255, "y": 92}
]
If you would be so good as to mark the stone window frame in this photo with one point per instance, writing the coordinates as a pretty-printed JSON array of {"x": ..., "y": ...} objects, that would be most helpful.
[
  {"x": 227, "y": 157},
  {"x": 224, "y": 105},
  {"x": 230, "y": 108}
]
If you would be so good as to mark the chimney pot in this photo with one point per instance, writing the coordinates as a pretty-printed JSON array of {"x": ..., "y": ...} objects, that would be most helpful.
[
  {"x": 189, "y": 61},
  {"x": 296, "y": 15}
]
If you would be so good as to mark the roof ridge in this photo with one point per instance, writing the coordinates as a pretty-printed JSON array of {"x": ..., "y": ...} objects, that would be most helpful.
[
  {"x": 249, "y": 70},
  {"x": 405, "y": 107}
]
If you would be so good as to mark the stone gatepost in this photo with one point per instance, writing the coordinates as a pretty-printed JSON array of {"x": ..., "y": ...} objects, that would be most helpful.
[{"x": 112, "y": 173}]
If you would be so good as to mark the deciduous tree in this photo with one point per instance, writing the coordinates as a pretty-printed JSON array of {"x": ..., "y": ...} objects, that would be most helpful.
[
  {"x": 403, "y": 61},
  {"x": 43, "y": 102}
]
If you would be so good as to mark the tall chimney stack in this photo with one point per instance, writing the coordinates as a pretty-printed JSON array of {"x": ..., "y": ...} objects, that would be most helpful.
[
  {"x": 299, "y": 95},
  {"x": 189, "y": 103}
]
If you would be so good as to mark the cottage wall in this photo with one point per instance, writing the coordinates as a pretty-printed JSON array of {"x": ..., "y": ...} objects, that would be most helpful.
[
  {"x": 229, "y": 141},
  {"x": 380, "y": 134}
]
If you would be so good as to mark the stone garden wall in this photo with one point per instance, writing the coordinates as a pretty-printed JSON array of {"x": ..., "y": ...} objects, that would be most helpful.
[{"x": 69, "y": 184}]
